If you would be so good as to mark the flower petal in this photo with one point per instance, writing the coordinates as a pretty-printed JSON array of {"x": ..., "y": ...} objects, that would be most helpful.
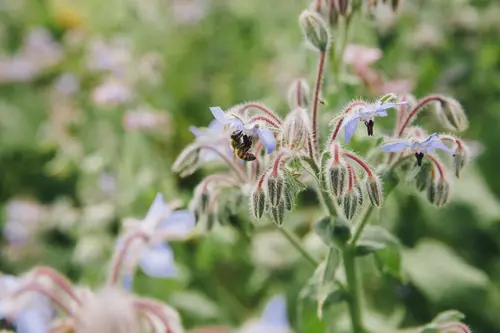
[
  {"x": 220, "y": 115},
  {"x": 157, "y": 210},
  {"x": 275, "y": 312},
  {"x": 158, "y": 261},
  {"x": 437, "y": 144},
  {"x": 267, "y": 138},
  {"x": 393, "y": 147},
  {"x": 196, "y": 131},
  {"x": 31, "y": 320},
  {"x": 179, "y": 223},
  {"x": 349, "y": 124},
  {"x": 381, "y": 113}
]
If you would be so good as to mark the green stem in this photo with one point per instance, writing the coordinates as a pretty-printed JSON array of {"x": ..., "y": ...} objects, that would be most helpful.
[
  {"x": 296, "y": 243},
  {"x": 354, "y": 288},
  {"x": 361, "y": 225}
]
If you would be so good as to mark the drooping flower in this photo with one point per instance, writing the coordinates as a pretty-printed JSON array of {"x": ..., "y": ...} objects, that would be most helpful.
[
  {"x": 265, "y": 135},
  {"x": 273, "y": 319},
  {"x": 155, "y": 257},
  {"x": 367, "y": 115},
  {"x": 29, "y": 314},
  {"x": 428, "y": 145}
]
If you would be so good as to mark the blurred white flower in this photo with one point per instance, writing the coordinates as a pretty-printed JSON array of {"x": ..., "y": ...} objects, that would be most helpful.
[
  {"x": 66, "y": 84},
  {"x": 22, "y": 218},
  {"x": 189, "y": 11},
  {"x": 113, "y": 57},
  {"x": 145, "y": 119}
]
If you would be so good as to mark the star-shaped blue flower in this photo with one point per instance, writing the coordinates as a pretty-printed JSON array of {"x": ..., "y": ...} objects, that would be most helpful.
[
  {"x": 420, "y": 148},
  {"x": 367, "y": 115},
  {"x": 266, "y": 136}
]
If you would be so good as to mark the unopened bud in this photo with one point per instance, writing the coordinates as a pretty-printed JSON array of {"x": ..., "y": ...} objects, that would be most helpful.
[
  {"x": 424, "y": 176},
  {"x": 204, "y": 200},
  {"x": 187, "y": 161},
  {"x": 360, "y": 193},
  {"x": 374, "y": 189},
  {"x": 278, "y": 214},
  {"x": 298, "y": 94},
  {"x": 337, "y": 179},
  {"x": 351, "y": 204},
  {"x": 315, "y": 30},
  {"x": 342, "y": 6},
  {"x": 275, "y": 185},
  {"x": 258, "y": 202},
  {"x": 438, "y": 192},
  {"x": 451, "y": 114},
  {"x": 211, "y": 217},
  {"x": 460, "y": 159},
  {"x": 288, "y": 198},
  {"x": 296, "y": 129}
]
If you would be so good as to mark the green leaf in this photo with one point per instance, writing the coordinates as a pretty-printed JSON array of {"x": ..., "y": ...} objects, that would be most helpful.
[
  {"x": 365, "y": 248},
  {"x": 323, "y": 229},
  {"x": 387, "y": 98},
  {"x": 389, "y": 181},
  {"x": 331, "y": 265},
  {"x": 448, "y": 316},
  {"x": 430, "y": 330},
  {"x": 388, "y": 256},
  {"x": 341, "y": 230},
  {"x": 442, "y": 276},
  {"x": 194, "y": 303}
]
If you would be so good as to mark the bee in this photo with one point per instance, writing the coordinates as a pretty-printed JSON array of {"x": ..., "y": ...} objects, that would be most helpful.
[{"x": 241, "y": 144}]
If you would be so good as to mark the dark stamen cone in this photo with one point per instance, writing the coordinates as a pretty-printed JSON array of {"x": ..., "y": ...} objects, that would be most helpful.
[{"x": 419, "y": 157}]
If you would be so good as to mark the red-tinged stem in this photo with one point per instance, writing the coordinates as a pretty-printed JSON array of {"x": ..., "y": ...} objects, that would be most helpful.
[
  {"x": 336, "y": 153},
  {"x": 399, "y": 116},
  {"x": 264, "y": 119},
  {"x": 262, "y": 178},
  {"x": 213, "y": 178},
  {"x": 30, "y": 287},
  {"x": 452, "y": 139},
  {"x": 277, "y": 162},
  {"x": 58, "y": 279},
  {"x": 256, "y": 163},
  {"x": 120, "y": 256},
  {"x": 455, "y": 327},
  {"x": 154, "y": 309},
  {"x": 317, "y": 5},
  {"x": 262, "y": 108},
  {"x": 416, "y": 109},
  {"x": 360, "y": 162},
  {"x": 299, "y": 93},
  {"x": 346, "y": 111},
  {"x": 317, "y": 88},
  {"x": 232, "y": 165},
  {"x": 438, "y": 165}
]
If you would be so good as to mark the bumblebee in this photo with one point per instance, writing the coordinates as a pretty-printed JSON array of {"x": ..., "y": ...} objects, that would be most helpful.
[{"x": 241, "y": 144}]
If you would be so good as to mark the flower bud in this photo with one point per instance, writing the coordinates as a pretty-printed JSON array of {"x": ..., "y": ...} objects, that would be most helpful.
[
  {"x": 288, "y": 197},
  {"x": 296, "y": 129},
  {"x": 374, "y": 189},
  {"x": 337, "y": 179},
  {"x": 278, "y": 213},
  {"x": 438, "y": 192},
  {"x": 351, "y": 204},
  {"x": 342, "y": 6},
  {"x": 187, "y": 161},
  {"x": 451, "y": 114},
  {"x": 460, "y": 159},
  {"x": 315, "y": 30},
  {"x": 204, "y": 200},
  {"x": 359, "y": 192},
  {"x": 298, "y": 94},
  {"x": 424, "y": 176},
  {"x": 258, "y": 202},
  {"x": 275, "y": 185}
]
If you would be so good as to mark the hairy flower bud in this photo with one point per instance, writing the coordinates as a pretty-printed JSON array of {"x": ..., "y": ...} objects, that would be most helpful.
[
  {"x": 298, "y": 94},
  {"x": 351, "y": 203},
  {"x": 315, "y": 30},
  {"x": 187, "y": 161},
  {"x": 204, "y": 200},
  {"x": 296, "y": 129},
  {"x": 288, "y": 197},
  {"x": 424, "y": 176},
  {"x": 460, "y": 159},
  {"x": 438, "y": 192},
  {"x": 278, "y": 213},
  {"x": 336, "y": 177},
  {"x": 275, "y": 185},
  {"x": 451, "y": 114},
  {"x": 374, "y": 189},
  {"x": 258, "y": 202}
]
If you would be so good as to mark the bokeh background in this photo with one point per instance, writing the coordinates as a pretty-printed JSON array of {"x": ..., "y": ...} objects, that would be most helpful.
[{"x": 96, "y": 98}]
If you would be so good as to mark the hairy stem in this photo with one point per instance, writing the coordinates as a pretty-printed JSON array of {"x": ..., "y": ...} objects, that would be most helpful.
[
  {"x": 354, "y": 288},
  {"x": 296, "y": 243},
  {"x": 317, "y": 88}
]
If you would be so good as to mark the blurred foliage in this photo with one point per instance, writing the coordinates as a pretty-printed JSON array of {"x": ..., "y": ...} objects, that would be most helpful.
[{"x": 82, "y": 171}]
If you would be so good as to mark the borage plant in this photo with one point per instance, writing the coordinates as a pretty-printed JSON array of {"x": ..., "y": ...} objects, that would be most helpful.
[{"x": 271, "y": 159}]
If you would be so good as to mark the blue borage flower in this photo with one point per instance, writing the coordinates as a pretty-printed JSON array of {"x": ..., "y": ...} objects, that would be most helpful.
[
  {"x": 156, "y": 257},
  {"x": 33, "y": 315},
  {"x": 214, "y": 134},
  {"x": 266, "y": 136},
  {"x": 367, "y": 114},
  {"x": 428, "y": 145},
  {"x": 273, "y": 319}
]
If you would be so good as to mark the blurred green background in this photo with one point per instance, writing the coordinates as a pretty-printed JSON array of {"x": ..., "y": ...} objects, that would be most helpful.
[{"x": 96, "y": 98}]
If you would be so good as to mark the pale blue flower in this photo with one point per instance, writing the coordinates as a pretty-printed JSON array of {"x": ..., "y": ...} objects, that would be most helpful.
[
  {"x": 156, "y": 258},
  {"x": 35, "y": 314},
  {"x": 428, "y": 145},
  {"x": 274, "y": 318},
  {"x": 367, "y": 115},
  {"x": 266, "y": 136},
  {"x": 213, "y": 134}
]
